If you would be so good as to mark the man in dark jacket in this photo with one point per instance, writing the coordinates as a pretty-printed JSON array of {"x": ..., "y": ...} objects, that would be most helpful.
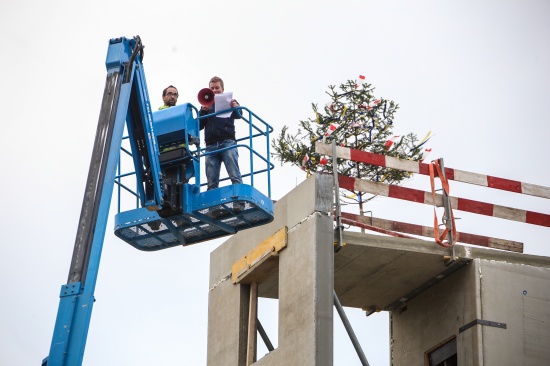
[{"x": 219, "y": 133}]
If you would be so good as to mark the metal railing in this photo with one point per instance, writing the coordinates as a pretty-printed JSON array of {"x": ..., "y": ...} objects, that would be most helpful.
[{"x": 258, "y": 161}]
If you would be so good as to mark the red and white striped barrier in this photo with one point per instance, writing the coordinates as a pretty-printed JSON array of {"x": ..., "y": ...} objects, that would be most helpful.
[
  {"x": 422, "y": 168},
  {"x": 461, "y": 204},
  {"x": 389, "y": 227}
]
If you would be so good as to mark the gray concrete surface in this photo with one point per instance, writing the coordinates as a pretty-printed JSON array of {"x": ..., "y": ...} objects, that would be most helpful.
[
  {"x": 303, "y": 284},
  {"x": 378, "y": 271},
  {"x": 511, "y": 294},
  {"x": 429, "y": 297}
]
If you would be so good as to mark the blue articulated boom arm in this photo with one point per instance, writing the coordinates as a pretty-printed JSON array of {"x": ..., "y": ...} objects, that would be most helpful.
[
  {"x": 125, "y": 99},
  {"x": 173, "y": 211}
]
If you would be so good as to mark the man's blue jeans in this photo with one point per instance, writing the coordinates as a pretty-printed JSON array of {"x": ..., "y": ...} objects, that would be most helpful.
[{"x": 230, "y": 159}]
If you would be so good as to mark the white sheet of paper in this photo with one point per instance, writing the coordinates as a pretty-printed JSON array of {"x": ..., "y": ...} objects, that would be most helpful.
[{"x": 223, "y": 102}]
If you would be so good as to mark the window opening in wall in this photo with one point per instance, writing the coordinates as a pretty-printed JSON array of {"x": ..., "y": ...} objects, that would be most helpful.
[
  {"x": 268, "y": 316},
  {"x": 444, "y": 355}
]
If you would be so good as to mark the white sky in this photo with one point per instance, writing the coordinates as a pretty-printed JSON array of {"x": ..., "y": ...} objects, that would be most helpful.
[{"x": 474, "y": 73}]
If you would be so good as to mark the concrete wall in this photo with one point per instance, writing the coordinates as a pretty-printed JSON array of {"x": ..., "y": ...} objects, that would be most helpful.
[
  {"x": 515, "y": 294},
  {"x": 305, "y": 284},
  {"x": 495, "y": 286},
  {"x": 518, "y": 295}
]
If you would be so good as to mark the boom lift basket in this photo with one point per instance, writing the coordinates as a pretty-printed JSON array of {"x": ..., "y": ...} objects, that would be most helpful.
[{"x": 188, "y": 215}]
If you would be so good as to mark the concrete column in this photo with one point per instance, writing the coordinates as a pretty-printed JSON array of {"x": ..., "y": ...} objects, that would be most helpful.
[{"x": 305, "y": 284}]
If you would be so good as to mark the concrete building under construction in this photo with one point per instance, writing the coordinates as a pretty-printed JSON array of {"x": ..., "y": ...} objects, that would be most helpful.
[{"x": 465, "y": 305}]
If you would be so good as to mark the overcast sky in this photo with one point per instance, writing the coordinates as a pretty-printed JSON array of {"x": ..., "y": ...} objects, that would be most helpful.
[{"x": 475, "y": 73}]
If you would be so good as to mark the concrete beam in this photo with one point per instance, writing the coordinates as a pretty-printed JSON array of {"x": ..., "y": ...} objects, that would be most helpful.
[{"x": 377, "y": 271}]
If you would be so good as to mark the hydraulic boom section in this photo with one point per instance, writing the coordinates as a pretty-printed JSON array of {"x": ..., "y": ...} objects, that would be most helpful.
[{"x": 125, "y": 99}]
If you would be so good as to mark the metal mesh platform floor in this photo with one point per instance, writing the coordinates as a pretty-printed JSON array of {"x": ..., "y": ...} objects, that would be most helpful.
[{"x": 146, "y": 230}]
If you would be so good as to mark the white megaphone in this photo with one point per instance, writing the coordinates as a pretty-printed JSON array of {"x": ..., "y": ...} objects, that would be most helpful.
[{"x": 206, "y": 97}]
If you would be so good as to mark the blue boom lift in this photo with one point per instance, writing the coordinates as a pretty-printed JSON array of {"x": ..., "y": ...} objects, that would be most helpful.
[{"x": 171, "y": 209}]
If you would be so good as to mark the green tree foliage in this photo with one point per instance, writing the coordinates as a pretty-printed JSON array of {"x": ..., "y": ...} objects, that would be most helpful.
[{"x": 354, "y": 118}]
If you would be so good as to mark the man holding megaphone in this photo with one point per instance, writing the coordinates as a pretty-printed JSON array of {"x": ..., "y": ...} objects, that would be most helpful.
[{"x": 219, "y": 133}]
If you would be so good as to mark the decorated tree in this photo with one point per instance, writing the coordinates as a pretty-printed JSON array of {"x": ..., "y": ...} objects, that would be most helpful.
[{"x": 353, "y": 118}]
